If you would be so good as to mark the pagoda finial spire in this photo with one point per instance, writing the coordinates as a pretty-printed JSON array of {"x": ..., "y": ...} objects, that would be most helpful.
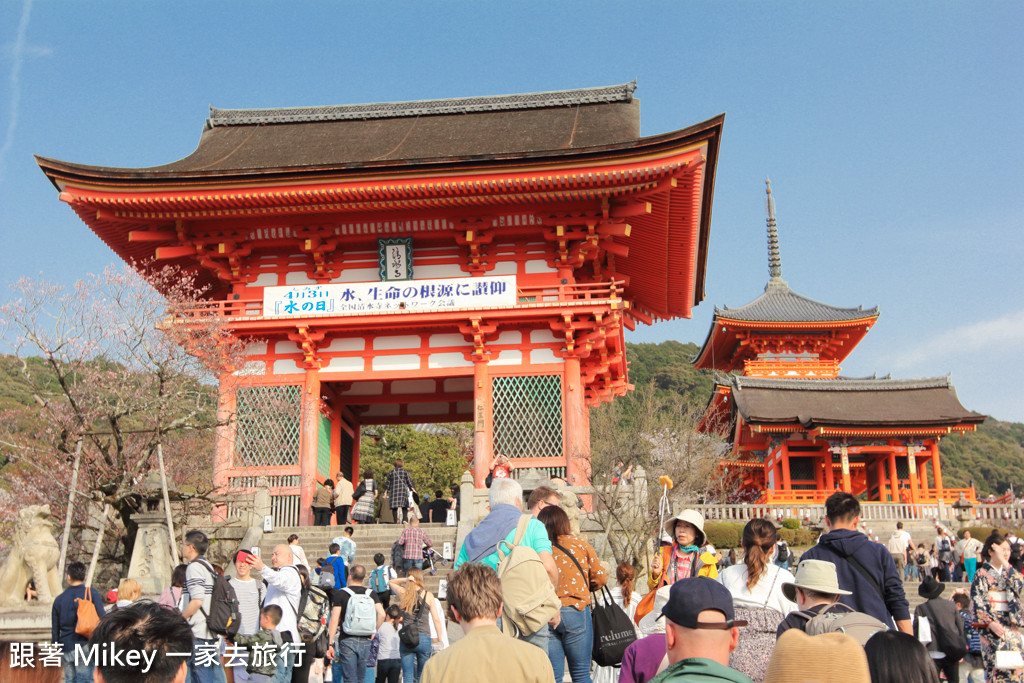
[{"x": 774, "y": 256}]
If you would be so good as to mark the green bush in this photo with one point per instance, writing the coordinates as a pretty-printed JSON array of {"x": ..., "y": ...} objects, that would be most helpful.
[
  {"x": 798, "y": 538},
  {"x": 724, "y": 535},
  {"x": 790, "y": 523}
]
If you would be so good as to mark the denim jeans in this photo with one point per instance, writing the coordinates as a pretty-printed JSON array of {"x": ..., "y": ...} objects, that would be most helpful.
[
  {"x": 388, "y": 670},
  {"x": 414, "y": 660},
  {"x": 213, "y": 672},
  {"x": 350, "y": 656},
  {"x": 572, "y": 641},
  {"x": 75, "y": 673},
  {"x": 538, "y": 637},
  {"x": 285, "y": 664},
  {"x": 408, "y": 564}
]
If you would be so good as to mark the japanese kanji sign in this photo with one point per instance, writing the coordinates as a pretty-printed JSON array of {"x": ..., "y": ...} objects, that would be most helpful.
[
  {"x": 394, "y": 255},
  {"x": 357, "y": 298}
]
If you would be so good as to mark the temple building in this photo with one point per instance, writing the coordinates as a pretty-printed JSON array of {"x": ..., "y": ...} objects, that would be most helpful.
[
  {"x": 460, "y": 260},
  {"x": 800, "y": 431}
]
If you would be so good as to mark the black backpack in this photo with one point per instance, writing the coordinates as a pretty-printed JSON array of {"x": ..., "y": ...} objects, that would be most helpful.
[
  {"x": 410, "y": 633},
  {"x": 224, "y": 618},
  {"x": 783, "y": 551}
]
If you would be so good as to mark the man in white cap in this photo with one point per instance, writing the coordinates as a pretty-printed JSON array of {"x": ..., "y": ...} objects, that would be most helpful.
[{"x": 815, "y": 587}]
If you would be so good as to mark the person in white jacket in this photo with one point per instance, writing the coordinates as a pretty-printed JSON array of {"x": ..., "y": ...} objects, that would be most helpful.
[
  {"x": 284, "y": 589},
  {"x": 757, "y": 581}
]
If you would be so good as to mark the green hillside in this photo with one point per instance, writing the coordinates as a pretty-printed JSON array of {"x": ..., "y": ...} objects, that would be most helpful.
[{"x": 992, "y": 457}]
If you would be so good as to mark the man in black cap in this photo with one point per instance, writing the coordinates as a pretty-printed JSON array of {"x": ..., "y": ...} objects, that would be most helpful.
[{"x": 700, "y": 632}]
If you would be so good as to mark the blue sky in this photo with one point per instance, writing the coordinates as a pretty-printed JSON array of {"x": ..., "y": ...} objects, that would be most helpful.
[{"x": 893, "y": 133}]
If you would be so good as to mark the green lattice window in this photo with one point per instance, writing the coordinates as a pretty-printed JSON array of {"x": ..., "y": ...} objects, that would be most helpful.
[
  {"x": 323, "y": 448},
  {"x": 267, "y": 426},
  {"x": 528, "y": 416}
]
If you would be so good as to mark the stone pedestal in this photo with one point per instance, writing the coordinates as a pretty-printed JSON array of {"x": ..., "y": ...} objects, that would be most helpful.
[
  {"x": 29, "y": 624},
  {"x": 151, "y": 563}
]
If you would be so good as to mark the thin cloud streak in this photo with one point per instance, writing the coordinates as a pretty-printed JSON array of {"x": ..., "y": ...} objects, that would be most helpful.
[
  {"x": 18, "y": 59},
  {"x": 1003, "y": 332}
]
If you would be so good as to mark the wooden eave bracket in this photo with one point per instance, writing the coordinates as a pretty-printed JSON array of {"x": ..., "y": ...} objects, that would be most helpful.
[
  {"x": 310, "y": 342},
  {"x": 320, "y": 250},
  {"x": 475, "y": 235},
  {"x": 478, "y": 333}
]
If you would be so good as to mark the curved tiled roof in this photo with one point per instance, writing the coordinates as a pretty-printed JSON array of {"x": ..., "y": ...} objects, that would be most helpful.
[
  {"x": 779, "y": 303},
  {"x": 460, "y": 105},
  {"x": 812, "y": 403}
]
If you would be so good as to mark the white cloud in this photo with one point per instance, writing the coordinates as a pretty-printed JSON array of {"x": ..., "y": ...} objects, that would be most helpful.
[
  {"x": 985, "y": 336},
  {"x": 18, "y": 51}
]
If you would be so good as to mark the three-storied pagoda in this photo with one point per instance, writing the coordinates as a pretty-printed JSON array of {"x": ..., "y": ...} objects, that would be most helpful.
[
  {"x": 451, "y": 260},
  {"x": 798, "y": 430}
]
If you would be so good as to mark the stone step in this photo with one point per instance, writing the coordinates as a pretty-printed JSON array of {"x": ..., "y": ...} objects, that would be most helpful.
[{"x": 911, "y": 587}]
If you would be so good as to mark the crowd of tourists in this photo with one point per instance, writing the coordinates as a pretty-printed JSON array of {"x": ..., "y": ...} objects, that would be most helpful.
[
  {"x": 397, "y": 500},
  {"x": 534, "y": 604}
]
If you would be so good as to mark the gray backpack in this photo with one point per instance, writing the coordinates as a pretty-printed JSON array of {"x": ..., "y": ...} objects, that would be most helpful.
[{"x": 839, "y": 618}]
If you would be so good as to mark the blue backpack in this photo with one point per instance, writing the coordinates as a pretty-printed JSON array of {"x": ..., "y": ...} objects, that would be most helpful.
[{"x": 379, "y": 579}]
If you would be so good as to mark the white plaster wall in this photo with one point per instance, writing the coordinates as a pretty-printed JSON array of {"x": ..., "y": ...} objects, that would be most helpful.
[
  {"x": 348, "y": 364},
  {"x": 538, "y": 266},
  {"x": 543, "y": 337},
  {"x": 286, "y": 366},
  {"x": 358, "y": 275},
  {"x": 287, "y": 346},
  {"x": 407, "y": 341},
  {"x": 298, "y": 278},
  {"x": 504, "y": 268},
  {"x": 510, "y": 337},
  {"x": 538, "y": 356},
  {"x": 464, "y": 407},
  {"x": 265, "y": 280},
  {"x": 514, "y": 357},
  {"x": 256, "y": 348},
  {"x": 438, "y": 341},
  {"x": 252, "y": 368},
  {"x": 448, "y": 360},
  {"x": 437, "y": 271},
  {"x": 402, "y": 362},
  {"x": 351, "y": 344}
]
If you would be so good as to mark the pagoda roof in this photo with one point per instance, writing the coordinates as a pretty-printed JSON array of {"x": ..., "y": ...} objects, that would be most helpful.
[
  {"x": 780, "y": 304},
  {"x": 810, "y": 404},
  {"x": 255, "y": 142},
  {"x": 780, "y": 310}
]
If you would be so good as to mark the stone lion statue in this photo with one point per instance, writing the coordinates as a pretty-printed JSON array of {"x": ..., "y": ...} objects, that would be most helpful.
[{"x": 34, "y": 555}]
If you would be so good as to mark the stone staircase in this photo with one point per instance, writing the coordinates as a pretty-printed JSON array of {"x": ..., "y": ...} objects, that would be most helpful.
[{"x": 369, "y": 538}]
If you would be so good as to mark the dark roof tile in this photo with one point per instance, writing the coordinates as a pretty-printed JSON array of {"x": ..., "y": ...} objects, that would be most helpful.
[{"x": 781, "y": 304}]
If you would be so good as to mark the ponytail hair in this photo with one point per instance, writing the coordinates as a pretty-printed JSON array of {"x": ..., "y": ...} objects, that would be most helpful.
[
  {"x": 412, "y": 590},
  {"x": 759, "y": 537},
  {"x": 625, "y": 574}
]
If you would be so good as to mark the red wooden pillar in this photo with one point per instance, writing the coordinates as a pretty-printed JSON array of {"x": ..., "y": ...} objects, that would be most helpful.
[
  {"x": 577, "y": 436},
  {"x": 880, "y": 474},
  {"x": 936, "y": 468},
  {"x": 309, "y": 426},
  {"x": 830, "y": 473},
  {"x": 819, "y": 472},
  {"x": 893, "y": 479},
  {"x": 357, "y": 433},
  {"x": 925, "y": 484},
  {"x": 483, "y": 435},
  {"x": 337, "y": 426},
  {"x": 787, "y": 482},
  {"x": 845, "y": 461},
  {"x": 915, "y": 492}
]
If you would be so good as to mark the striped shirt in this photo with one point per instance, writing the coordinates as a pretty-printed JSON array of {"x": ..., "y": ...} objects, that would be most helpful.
[{"x": 199, "y": 585}]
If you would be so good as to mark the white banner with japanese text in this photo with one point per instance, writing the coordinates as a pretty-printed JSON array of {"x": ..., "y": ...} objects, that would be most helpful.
[{"x": 357, "y": 298}]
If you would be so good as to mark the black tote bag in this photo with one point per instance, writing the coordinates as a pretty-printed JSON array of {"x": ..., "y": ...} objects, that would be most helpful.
[{"x": 613, "y": 630}]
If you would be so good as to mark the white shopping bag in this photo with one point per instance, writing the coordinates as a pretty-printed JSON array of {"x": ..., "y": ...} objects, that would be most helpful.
[
  {"x": 1008, "y": 660},
  {"x": 924, "y": 630}
]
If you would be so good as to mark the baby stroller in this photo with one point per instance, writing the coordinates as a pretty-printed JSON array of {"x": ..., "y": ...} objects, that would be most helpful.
[{"x": 430, "y": 556}]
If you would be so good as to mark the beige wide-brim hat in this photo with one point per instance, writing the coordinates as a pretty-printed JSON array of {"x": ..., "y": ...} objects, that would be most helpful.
[
  {"x": 691, "y": 516},
  {"x": 815, "y": 575},
  {"x": 827, "y": 658}
]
